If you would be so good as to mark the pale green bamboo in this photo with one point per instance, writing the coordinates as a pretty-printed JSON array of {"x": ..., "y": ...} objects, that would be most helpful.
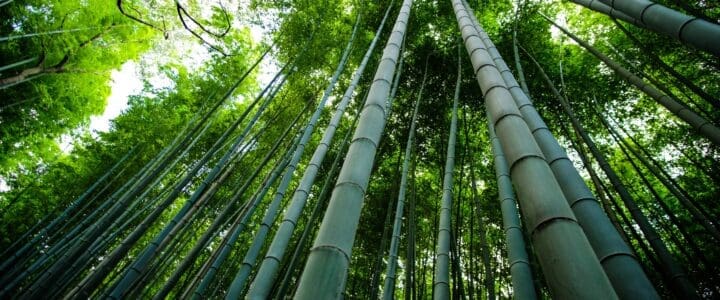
[
  {"x": 571, "y": 268},
  {"x": 317, "y": 209},
  {"x": 43, "y": 233},
  {"x": 190, "y": 257},
  {"x": 389, "y": 286},
  {"x": 699, "y": 216},
  {"x": 238, "y": 283},
  {"x": 623, "y": 269},
  {"x": 518, "y": 66},
  {"x": 262, "y": 284},
  {"x": 167, "y": 234},
  {"x": 164, "y": 236},
  {"x": 19, "y": 63},
  {"x": 520, "y": 270},
  {"x": 705, "y": 128},
  {"x": 238, "y": 226},
  {"x": 698, "y": 107},
  {"x": 695, "y": 31},
  {"x": 600, "y": 7},
  {"x": 77, "y": 251},
  {"x": 441, "y": 283},
  {"x": 657, "y": 61},
  {"x": 675, "y": 273},
  {"x": 51, "y": 32},
  {"x": 325, "y": 272},
  {"x": 614, "y": 255}
]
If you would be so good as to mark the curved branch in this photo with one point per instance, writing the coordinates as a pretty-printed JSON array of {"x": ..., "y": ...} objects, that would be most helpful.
[
  {"x": 217, "y": 35},
  {"x": 180, "y": 11},
  {"x": 122, "y": 11}
]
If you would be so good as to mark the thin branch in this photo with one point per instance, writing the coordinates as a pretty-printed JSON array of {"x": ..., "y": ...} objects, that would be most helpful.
[
  {"x": 225, "y": 15},
  {"x": 6, "y": 107},
  {"x": 122, "y": 11},
  {"x": 180, "y": 11}
]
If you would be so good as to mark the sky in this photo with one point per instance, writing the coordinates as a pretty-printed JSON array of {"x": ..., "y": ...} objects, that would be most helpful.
[
  {"x": 124, "y": 82},
  {"x": 127, "y": 80}
]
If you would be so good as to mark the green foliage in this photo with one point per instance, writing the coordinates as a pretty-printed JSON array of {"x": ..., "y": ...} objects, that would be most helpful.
[
  {"x": 67, "y": 83},
  {"x": 43, "y": 179}
]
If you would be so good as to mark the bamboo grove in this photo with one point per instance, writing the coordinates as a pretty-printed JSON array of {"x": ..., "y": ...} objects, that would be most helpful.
[{"x": 443, "y": 149}]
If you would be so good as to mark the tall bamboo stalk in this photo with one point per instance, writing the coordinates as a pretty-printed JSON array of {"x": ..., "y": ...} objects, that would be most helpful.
[
  {"x": 168, "y": 232},
  {"x": 563, "y": 250},
  {"x": 624, "y": 271},
  {"x": 389, "y": 285},
  {"x": 520, "y": 270},
  {"x": 76, "y": 252},
  {"x": 329, "y": 258},
  {"x": 698, "y": 123},
  {"x": 190, "y": 257},
  {"x": 238, "y": 284},
  {"x": 598, "y": 6},
  {"x": 319, "y": 205},
  {"x": 698, "y": 215},
  {"x": 691, "y": 30},
  {"x": 441, "y": 287},
  {"x": 267, "y": 272},
  {"x": 615, "y": 256},
  {"x": 682, "y": 284},
  {"x": 657, "y": 61},
  {"x": 211, "y": 266}
]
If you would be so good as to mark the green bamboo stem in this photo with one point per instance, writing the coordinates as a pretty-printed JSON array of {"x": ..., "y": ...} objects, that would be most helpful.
[
  {"x": 681, "y": 283},
  {"x": 550, "y": 221},
  {"x": 623, "y": 269},
  {"x": 441, "y": 283},
  {"x": 389, "y": 285},
  {"x": 659, "y": 62},
  {"x": 319, "y": 205},
  {"x": 691, "y": 30},
  {"x": 698, "y": 123},
  {"x": 601, "y": 7},
  {"x": 238, "y": 284},
  {"x": 329, "y": 258},
  {"x": 262, "y": 284}
]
